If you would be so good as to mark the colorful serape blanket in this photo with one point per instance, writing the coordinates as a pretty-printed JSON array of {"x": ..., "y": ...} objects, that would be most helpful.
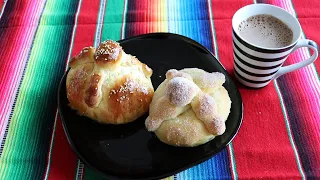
[{"x": 280, "y": 134}]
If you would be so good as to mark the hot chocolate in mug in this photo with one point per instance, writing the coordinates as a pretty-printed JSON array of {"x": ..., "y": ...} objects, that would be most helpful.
[{"x": 258, "y": 61}]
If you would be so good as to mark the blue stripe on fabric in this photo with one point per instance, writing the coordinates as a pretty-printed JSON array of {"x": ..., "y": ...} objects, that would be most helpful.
[
  {"x": 196, "y": 25},
  {"x": 215, "y": 168},
  {"x": 190, "y": 18}
]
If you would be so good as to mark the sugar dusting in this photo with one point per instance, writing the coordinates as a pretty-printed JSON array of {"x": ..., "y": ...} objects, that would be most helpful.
[
  {"x": 183, "y": 130},
  {"x": 172, "y": 73},
  {"x": 208, "y": 108},
  {"x": 108, "y": 50},
  {"x": 208, "y": 80},
  {"x": 181, "y": 91},
  {"x": 128, "y": 87},
  {"x": 216, "y": 127},
  {"x": 76, "y": 81},
  {"x": 152, "y": 124}
]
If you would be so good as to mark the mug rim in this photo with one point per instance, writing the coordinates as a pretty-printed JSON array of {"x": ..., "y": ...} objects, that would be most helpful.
[{"x": 266, "y": 49}]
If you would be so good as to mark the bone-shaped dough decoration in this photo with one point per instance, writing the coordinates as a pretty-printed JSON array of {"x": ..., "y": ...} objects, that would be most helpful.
[{"x": 189, "y": 91}]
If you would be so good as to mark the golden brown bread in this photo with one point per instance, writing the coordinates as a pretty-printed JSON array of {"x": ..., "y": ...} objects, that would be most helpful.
[
  {"x": 194, "y": 107},
  {"x": 108, "y": 85}
]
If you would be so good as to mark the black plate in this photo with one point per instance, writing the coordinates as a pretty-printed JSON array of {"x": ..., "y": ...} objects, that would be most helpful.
[{"x": 131, "y": 152}]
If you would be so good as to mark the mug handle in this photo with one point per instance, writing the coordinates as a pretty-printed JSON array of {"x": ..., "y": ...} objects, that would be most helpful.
[{"x": 301, "y": 43}]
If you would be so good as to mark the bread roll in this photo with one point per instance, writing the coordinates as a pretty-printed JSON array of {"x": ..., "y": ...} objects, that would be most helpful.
[
  {"x": 108, "y": 85},
  {"x": 194, "y": 107}
]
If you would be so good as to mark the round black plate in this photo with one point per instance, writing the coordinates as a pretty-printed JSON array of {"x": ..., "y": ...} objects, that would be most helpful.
[{"x": 131, "y": 152}]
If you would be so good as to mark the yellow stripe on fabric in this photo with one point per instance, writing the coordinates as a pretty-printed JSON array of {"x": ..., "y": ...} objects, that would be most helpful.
[
  {"x": 169, "y": 178},
  {"x": 164, "y": 17}
]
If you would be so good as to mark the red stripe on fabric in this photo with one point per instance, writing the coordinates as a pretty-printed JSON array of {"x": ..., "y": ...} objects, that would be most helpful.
[
  {"x": 222, "y": 12},
  {"x": 141, "y": 19},
  {"x": 262, "y": 147},
  {"x": 86, "y": 25},
  {"x": 145, "y": 19},
  {"x": 6, "y": 67},
  {"x": 64, "y": 161},
  {"x": 1, "y": 4}
]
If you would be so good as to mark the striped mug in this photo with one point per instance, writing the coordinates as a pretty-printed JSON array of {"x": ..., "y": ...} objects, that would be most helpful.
[{"x": 255, "y": 66}]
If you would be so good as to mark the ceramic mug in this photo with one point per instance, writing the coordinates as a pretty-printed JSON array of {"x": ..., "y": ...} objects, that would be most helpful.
[{"x": 256, "y": 66}]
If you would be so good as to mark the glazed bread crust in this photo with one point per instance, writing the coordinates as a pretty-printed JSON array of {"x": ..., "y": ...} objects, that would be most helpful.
[{"x": 108, "y": 85}]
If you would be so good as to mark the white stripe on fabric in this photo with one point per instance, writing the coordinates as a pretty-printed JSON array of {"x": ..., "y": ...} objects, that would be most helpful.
[
  {"x": 124, "y": 19},
  {"x": 79, "y": 173},
  {"x": 51, "y": 146},
  {"x": 98, "y": 33}
]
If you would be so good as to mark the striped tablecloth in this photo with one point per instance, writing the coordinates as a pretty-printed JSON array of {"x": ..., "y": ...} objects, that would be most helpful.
[{"x": 280, "y": 135}]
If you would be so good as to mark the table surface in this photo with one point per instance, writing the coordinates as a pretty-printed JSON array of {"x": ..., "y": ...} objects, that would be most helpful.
[{"x": 280, "y": 134}]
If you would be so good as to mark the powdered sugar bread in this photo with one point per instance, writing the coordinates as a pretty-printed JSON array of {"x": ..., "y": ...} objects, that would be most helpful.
[
  {"x": 189, "y": 108},
  {"x": 108, "y": 85}
]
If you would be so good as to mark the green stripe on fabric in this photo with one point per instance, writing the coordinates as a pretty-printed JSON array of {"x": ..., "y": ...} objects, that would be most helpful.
[
  {"x": 111, "y": 29},
  {"x": 233, "y": 162},
  {"x": 113, "y": 20},
  {"x": 90, "y": 174},
  {"x": 31, "y": 124}
]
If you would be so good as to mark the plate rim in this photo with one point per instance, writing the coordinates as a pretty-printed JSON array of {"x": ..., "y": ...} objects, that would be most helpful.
[{"x": 197, "y": 162}]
